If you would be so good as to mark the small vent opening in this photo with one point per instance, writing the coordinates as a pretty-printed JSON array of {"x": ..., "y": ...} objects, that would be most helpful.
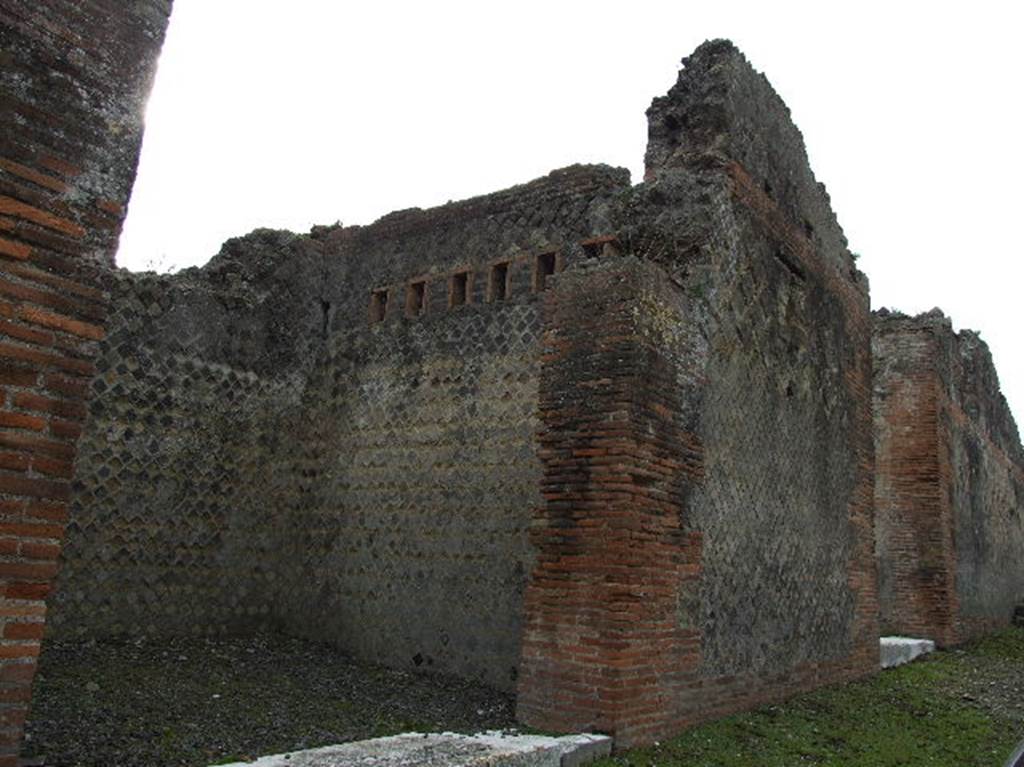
[
  {"x": 458, "y": 293},
  {"x": 415, "y": 299},
  {"x": 499, "y": 282},
  {"x": 544, "y": 268},
  {"x": 378, "y": 305}
]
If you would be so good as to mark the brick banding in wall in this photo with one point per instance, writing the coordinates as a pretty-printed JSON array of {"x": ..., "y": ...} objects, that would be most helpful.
[{"x": 605, "y": 647}]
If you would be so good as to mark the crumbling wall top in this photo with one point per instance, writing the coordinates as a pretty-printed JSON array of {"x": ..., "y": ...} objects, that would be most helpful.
[
  {"x": 722, "y": 110},
  {"x": 257, "y": 305},
  {"x": 563, "y": 182}
]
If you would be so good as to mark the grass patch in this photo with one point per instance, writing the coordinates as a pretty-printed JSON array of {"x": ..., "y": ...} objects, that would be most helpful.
[{"x": 918, "y": 714}]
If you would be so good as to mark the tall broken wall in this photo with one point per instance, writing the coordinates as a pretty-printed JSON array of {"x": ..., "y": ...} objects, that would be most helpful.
[
  {"x": 73, "y": 80},
  {"x": 607, "y": 445},
  {"x": 950, "y": 483}
]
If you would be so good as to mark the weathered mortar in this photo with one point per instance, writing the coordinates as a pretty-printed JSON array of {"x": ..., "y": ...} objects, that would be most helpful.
[
  {"x": 950, "y": 483},
  {"x": 367, "y": 484}
]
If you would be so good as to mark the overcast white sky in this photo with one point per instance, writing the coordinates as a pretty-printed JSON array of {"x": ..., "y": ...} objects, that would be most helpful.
[{"x": 289, "y": 114}]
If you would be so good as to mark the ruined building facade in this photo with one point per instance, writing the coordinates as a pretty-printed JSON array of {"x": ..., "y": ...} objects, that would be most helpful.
[
  {"x": 609, "y": 446},
  {"x": 605, "y": 445}
]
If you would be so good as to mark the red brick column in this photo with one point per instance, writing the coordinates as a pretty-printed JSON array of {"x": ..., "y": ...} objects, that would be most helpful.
[
  {"x": 608, "y": 640},
  {"x": 73, "y": 79}
]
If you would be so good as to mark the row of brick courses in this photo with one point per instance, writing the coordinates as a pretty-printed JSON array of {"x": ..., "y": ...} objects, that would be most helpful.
[
  {"x": 913, "y": 512},
  {"x": 68, "y": 72}
]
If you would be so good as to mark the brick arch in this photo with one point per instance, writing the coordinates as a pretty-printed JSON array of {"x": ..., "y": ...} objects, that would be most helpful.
[{"x": 74, "y": 77}]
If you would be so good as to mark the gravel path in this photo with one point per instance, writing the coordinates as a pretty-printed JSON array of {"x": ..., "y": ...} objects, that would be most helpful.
[{"x": 205, "y": 701}]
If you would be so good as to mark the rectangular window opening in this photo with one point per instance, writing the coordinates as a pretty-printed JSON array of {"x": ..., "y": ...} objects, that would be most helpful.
[
  {"x": 499, "y": 282},
  {"x": 416, "y": 298},
  {"x": 544, "y": 268},
  {"x": 458, "y": 294},
  {"x": 378, "y": 305}
]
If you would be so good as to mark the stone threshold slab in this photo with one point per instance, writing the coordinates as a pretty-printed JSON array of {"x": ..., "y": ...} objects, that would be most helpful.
[{"x": 489, "y": 749}]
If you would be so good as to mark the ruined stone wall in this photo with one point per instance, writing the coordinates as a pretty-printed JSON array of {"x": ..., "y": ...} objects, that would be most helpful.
[
  {"x": 183, "y": 484},
  {"x": 73, "y": 79},
  {"x": 987, "y": 464},
  {"x": 259, "y": 452},
  {"x": 949, "y": 482}
]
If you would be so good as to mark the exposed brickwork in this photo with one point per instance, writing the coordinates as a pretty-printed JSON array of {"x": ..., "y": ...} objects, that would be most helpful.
[
  {"x": 73, "y": 77},
  {"x": 612, "y": 632},
  {"x": 950, "y": 483},
  {"x": 913, "y": 513}
]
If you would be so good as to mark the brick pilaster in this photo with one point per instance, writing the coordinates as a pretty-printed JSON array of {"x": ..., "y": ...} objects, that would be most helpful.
[
  {"x": 608, "y": 639},
  {"x": 912, "y": 505}
]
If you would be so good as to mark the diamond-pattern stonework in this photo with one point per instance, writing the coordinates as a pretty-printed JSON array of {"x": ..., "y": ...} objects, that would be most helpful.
[
  {"x": 259, "y": 454},
  {"x": 775, "y": 521},
  {"x": 415, "y": 551},
  {"x": 168, "y": 530}
]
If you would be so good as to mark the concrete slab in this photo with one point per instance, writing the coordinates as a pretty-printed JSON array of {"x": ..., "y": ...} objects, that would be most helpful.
[
  {"x": 489, "y": 749},
  {"x": 895, "y": 651}
]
